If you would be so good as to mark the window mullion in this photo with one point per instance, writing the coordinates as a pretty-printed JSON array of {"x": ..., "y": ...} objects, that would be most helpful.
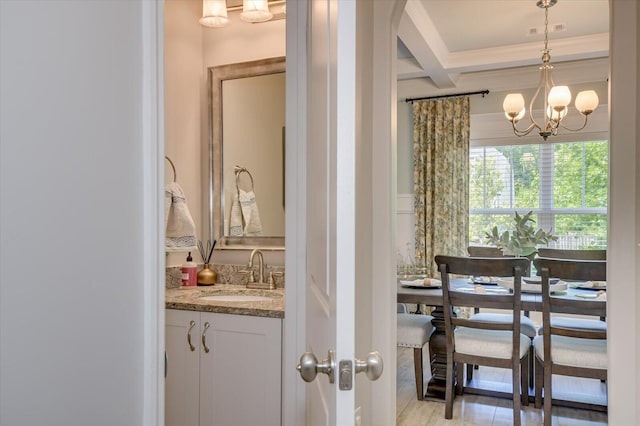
[{"x": 546, "y": 166}]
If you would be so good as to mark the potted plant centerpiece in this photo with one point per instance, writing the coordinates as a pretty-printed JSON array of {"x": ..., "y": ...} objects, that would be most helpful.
[{"x": 522, "y": 240}]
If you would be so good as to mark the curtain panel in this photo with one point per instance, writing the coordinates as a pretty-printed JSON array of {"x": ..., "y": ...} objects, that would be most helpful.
[{"x": 441, "y": 179}]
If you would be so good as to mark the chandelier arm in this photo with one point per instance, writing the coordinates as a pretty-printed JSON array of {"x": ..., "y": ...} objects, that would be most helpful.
[
  {"x": 524, "y": 132},
  {"x": 579, "y": 128}
]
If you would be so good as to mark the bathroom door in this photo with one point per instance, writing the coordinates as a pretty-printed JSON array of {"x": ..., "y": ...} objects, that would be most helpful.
[{"x": 330, "y": 206}]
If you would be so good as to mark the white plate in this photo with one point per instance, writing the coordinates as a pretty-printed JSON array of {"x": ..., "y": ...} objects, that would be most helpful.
[
  {"x": 485, "y": 280},
  {"x": 538, "y": 280},
  {"x": 533, "y": 288},
  {"x": 592, "y": 285},
  {"x": 495, "y": 290},
  {"x": 421, "y": 287},
  {"x": 587, "y": 295},
  {"x": 419, "y": 283}
]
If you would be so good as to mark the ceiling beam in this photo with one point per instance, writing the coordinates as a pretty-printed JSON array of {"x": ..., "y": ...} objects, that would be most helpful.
[{"x": 418, "y": 34}]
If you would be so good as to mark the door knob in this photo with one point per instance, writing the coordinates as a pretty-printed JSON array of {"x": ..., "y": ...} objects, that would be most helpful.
[
  {"x": 372, "y": 366},
  {"x": 309, "y": 367}
]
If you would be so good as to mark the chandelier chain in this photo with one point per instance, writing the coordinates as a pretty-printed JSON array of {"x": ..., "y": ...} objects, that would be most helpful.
[{"x": 546, "y": 29}]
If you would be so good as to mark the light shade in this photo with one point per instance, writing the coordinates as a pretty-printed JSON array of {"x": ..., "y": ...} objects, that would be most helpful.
[
  {"x": 587, "y": 101},
  {"x": 214, "y": 13},
  {"x": 255, "y": 11},
  {"x": 517, "y": 117},
  {"x": 557, "y": 115},
  {"x": 559, "y": 97},
  {"x": 513, "y": 104}
]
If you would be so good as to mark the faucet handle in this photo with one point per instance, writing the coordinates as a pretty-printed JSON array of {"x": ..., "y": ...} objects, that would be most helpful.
[
  {"x": 273, "y": 275},
  {"x": 250, "y": 273}
]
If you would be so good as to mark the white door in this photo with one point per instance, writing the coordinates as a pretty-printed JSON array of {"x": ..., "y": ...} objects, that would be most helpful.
[{"x": 330, "y": 206}]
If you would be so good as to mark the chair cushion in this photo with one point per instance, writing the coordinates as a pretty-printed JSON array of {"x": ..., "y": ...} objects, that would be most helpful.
[
  {"x": 490, "y": 343},
  {"x": 414, "y": 330},
  {"x": 527, "y": 327},
  {"x": 573, "y": 351},
  {"x": 577, "y": 323}
]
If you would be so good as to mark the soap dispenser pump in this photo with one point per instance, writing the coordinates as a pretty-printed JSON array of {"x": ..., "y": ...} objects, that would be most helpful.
[{"x": 189, "y": 272}]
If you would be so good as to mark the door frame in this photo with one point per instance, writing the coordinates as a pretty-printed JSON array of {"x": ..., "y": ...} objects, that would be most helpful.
[
  {"x": 624, "y": 199},
  {"x": 153, "y": 261}
]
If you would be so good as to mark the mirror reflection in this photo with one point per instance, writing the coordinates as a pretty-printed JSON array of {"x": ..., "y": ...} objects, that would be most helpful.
[{"x": 247, "y": 154}]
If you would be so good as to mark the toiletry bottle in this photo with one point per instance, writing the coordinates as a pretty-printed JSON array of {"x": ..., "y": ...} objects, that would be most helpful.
[{"x": 189, "y": 272}]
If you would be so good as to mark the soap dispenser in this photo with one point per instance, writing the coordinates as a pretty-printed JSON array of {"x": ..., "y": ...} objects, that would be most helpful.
[{"x": 189, "y": 272}]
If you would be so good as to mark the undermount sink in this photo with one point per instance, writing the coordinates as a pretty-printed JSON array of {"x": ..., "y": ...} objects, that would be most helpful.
[{"x": 236, "y": 298}]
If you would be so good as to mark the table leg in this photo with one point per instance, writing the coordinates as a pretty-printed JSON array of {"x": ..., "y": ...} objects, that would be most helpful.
[{"x": 438, "y": 357}]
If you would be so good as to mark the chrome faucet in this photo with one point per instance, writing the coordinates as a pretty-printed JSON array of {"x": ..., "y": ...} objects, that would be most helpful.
[{"x": 261, "y": 284}]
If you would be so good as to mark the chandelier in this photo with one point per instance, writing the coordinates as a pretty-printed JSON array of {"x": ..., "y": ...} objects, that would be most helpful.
[{"x": 556, "y": 98}]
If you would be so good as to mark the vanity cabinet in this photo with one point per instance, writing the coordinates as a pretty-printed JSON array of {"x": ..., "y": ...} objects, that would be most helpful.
[{"x": 222, "y": 369}]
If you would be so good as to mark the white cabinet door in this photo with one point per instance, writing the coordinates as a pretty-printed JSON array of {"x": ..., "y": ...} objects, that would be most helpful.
[
  {"x": 182, "y": 399},
  {"x": 240, "y": 375},
  {"x": 223, "y": 370}
]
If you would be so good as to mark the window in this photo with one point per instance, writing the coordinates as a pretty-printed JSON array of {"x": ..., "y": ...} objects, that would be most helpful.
[{"x": 564, "y": 184}]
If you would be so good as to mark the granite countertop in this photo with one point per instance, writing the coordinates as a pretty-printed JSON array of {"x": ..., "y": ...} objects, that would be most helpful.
[{"x": 188, "y": 298}]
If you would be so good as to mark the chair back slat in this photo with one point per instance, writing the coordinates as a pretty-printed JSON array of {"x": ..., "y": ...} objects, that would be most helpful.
[
  {"x": 575, "y": 270},
  {"x": 578, "y": 332},
  {"x": 572, "y": 254},
  {"x": 484, "y": 251}
]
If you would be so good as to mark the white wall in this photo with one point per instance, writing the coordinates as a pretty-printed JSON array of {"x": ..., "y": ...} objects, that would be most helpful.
[
  {"x": 190, "y": 50},
  {"x": 185, "y": 93},
  {"x": 75, "y": 161}
]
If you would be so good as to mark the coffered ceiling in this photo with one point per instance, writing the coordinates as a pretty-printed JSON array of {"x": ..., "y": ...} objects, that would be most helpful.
[{"x": 449, "y": 46}]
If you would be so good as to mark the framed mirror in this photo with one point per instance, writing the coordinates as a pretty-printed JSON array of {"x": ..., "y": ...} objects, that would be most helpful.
[{"x": 245, "y": 179}]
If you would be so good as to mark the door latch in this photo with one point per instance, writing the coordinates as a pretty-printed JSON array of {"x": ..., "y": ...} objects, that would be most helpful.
[{"x": 345, "y": 369}]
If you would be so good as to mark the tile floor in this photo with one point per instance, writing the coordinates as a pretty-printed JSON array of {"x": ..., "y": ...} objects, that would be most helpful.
[{"x": 487, "y": 411}]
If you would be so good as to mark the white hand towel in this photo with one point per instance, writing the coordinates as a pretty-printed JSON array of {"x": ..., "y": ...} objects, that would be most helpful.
[
  {"x": 235, "y": 221},
  {"x": 250, "y": 214},
  {"x": 180, "y": 231}
]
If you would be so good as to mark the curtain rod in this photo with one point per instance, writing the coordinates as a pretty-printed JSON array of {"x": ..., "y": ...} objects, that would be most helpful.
[{"x": 479, "y": 92}]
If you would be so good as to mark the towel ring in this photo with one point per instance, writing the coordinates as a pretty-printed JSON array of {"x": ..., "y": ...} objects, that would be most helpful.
[
  {"x": 173, "y": 167},
  {"x": 238, "y": 170}
]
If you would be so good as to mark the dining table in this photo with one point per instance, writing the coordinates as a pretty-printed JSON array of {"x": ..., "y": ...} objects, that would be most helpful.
[{"x": 531, "y": 301}]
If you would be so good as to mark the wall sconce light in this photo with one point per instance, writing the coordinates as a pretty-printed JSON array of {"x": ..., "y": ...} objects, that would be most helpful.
[
  {"x": 214, "y": 12},
  {"x": 255, "y": 11}
]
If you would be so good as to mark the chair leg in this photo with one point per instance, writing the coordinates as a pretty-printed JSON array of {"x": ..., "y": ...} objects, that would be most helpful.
[
  {"x": 448, "y": 393},
  {"x": 524, "y": 380},
  {"x": 417, "y": 368},
  {"x": 539, "y": 378},
  {"x": 460, "y": 378},
  {"x": 515, "y": 381},
  {"x": 547, "y": 395},
  {"x": 531, "y": 368},
  {"x": 470, "y": 368}
]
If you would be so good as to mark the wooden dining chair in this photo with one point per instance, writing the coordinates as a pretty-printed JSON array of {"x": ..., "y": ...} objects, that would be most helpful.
[
  {"x": 551, "y": 253},
  {"x": 568, "y": 351},
  {"x": 493, "y": 344},
  {"x": 414, "y": 331},
  {"x": 528, "y": 326}
]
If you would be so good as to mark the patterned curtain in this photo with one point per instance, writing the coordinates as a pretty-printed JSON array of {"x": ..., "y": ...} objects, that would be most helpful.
[{"x": 441, "y": 179}]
